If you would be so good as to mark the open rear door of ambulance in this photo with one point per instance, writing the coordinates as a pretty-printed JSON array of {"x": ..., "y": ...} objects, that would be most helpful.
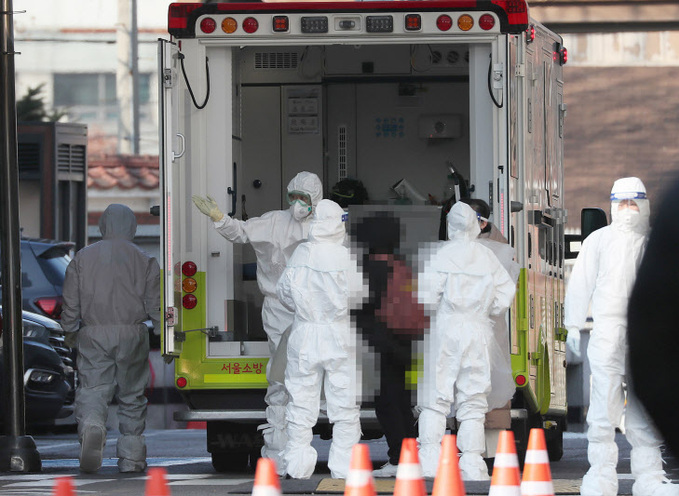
[{"x": 171, "y": 150}]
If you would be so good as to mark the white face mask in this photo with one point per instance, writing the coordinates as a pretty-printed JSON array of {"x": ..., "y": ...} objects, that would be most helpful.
[
  {"x": 300, "y": 211},
  {"x": 628, "y": 219}
]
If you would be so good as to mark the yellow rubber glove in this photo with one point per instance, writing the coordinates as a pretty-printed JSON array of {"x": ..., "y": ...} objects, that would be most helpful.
[{"x": 208, "y": 206}]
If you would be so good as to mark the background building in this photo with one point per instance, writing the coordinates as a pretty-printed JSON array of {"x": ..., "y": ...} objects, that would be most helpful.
[{"x": 621, "y": 92}]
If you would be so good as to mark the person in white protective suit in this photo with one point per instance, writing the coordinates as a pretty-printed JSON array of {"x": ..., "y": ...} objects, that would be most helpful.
[
  {"x": 111, "y": 287},
  {"x": 465, "y": 283},
  {"x": 274, "y": 237},
  {"x": 501, "y": 374},
  {"x": 320, "y": 285},
  {"x": 604, "y": 273}
]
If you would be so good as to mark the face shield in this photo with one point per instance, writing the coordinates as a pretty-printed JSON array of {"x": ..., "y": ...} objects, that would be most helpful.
[{"x": 629, "y": 209}]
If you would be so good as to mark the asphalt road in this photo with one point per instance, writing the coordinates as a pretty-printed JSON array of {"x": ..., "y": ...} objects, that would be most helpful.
[{"x": 189, "y": 470}]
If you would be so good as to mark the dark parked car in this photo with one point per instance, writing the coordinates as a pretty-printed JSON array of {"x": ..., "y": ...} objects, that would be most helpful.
[
  {"x": 49, "y": 378},
  {"x": 43, "y": 267}
]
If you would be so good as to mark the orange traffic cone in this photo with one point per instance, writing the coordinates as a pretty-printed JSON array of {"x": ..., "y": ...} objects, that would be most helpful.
[
  {"x": 360, "y": 477},
  {"x": 156, "y": 483},
  {"x": 537, "y": 477},
  {"x": 63, "y": 486},
  {"x": 266, "y": 479},
  {"x": 506, "y": 480},
  {"x": 409, "y": 481},
  {"x": 448, "y": 480}
]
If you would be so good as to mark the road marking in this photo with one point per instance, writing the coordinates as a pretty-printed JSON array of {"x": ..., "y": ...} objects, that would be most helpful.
[
  {"x": 50, "y": 482},
  {"x": 113, "y": 462}
]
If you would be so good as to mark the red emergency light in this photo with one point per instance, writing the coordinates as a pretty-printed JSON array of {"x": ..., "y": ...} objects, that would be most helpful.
[
  {"x": 560, "y": 54},
  {"x": 413, "y": 22},
  {"x": 530, "y": 34},
  {"x": 281, "y": 24}
]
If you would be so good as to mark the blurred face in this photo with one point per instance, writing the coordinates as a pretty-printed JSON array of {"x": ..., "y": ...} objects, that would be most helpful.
[{"x": 628, "y": 204}]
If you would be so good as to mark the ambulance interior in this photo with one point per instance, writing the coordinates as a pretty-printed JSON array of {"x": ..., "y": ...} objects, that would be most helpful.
[{"x": 395, "y": 117}]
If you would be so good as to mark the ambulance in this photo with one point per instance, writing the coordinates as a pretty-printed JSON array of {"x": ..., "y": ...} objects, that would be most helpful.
[{"x": 411, "y": 101}]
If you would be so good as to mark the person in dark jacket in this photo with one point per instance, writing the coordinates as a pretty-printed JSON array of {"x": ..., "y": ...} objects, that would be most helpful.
[
  {"x": 653, "y": 331},
  {"x": 380, "y": 235}
]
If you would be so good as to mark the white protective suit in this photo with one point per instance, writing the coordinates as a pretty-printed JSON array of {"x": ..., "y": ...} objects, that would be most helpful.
[
  {"x": 110, "y": 289},
  {"x": 501, "y": 374},
  {"x": 604, "y": 274},
  {"x": 466, "y": 284},
  {"x": 274, "y": 237},
  {"x": 320, "y": 285}
]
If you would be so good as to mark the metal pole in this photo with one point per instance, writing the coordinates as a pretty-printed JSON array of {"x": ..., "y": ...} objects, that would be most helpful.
[
  {"x": 123, "y": 78},
  {"x": 18, "y": 452},
  {"x": 134, "y": 60}
]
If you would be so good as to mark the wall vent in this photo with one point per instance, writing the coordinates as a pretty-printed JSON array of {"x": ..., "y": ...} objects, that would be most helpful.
[
  {"x": 29, "y": 159},
  {"x": 342, "y": 151},
  {"x": 71, "y": 158},
  {"x": 276, "y": 60}
]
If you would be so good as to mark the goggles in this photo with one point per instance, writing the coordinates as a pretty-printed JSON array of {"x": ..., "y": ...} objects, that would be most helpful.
[
  {"x": 628, "y": 195},
  {"x": 299, "y": 197},
  {"x": 480, "y": 218}
]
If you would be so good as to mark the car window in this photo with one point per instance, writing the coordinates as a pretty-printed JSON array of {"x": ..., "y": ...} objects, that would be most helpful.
[
  {"x": 54, "y": 264},
  {"x": 31, "y": 272}
]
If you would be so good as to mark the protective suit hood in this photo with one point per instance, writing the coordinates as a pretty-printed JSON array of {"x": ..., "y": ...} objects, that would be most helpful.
[
  {"x": 324, "y": 251},
  {"x": 118, "y": 222},
  {"x": 327, "y": 226},
  {"x": 462, "y": 222},
  {"x": 309, "y": 183},
  {"x": 627, "y": 220}
]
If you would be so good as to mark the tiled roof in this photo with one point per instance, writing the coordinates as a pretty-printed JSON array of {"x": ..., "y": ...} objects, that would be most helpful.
[{"x": 123, "y": 171}]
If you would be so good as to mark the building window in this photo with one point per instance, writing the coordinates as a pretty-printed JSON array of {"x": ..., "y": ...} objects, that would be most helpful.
[{"x": 91, "y": 97}]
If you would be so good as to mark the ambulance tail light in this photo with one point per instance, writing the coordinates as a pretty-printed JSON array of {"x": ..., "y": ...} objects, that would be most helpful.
[
  {"x": 520, "y": 380},
  {"x": 208, "y": 25},
  {"x": 487, "y": 22},
  {"x": 189, "y": 285},
  {"x": 444, "y": 22},
  {"x": 189, "y": 301},
  {"x": 250, "y": 25},
  {"x": 229, "y": 25},
  {"x": 182, "y": 382},
  {"x": 189, "y": 269},
  {"x": 465, "y": 22}
]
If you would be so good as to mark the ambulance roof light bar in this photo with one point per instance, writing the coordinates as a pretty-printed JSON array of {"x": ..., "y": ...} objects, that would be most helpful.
[{"x": 513, "y": 14}]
